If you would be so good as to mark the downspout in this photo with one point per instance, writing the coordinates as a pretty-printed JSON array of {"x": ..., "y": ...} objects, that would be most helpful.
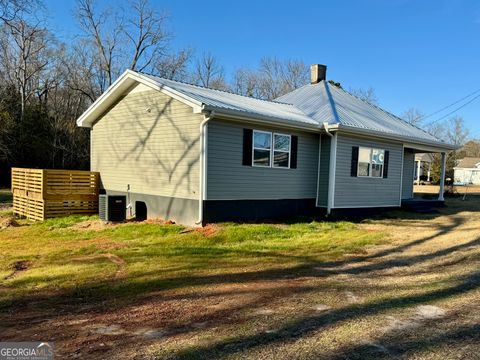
[
  {"x": 325, "y": 127},
  {"x": 331, "y": 172},
  {"x": 203, "y": 165}
]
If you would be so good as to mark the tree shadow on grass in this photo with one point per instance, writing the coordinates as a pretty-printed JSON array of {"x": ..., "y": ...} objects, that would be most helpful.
[{"x": 307, "y": 325}]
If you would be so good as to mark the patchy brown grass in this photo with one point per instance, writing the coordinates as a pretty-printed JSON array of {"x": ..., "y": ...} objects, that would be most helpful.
[
  {"x": 415, "y": 296},
  {"x": 434, "y": 189}
]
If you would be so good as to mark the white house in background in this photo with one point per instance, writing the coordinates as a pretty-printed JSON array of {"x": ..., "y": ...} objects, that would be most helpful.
[
  {"x": 423, "y": 167},
  {"x": 467, "y": 171}
]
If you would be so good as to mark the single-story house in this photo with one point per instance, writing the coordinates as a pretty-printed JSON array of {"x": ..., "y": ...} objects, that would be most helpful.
[
  {"x": 197, "y": 155},
  {"x": 467, "y": 171}
]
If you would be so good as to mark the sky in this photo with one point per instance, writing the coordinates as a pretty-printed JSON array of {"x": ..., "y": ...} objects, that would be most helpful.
[{"x": 414, "y": 53}]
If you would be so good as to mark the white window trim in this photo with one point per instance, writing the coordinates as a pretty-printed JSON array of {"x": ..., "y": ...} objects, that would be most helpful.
[
  {"x": 370, "y": 167},
  {"x": 253, "y": 148},
  {"x": 272, "y": 149},
  {"x": 282, "y": 151}
]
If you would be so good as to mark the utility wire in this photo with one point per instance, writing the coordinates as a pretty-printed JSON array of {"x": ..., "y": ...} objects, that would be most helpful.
[
  {"x": 454, "y": 111},
  {"x": 448, "y": 106}
]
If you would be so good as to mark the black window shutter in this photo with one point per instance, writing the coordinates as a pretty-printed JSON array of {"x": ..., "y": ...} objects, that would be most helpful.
[
  {"x": 293, "y": 154},
  {"x": 247, "y": 147},
  {"x": 354, "y": 166},
  {"x": 385, "y": 164}
]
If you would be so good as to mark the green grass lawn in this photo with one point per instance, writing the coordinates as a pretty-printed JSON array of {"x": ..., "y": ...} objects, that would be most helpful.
[
  {"x": 134, "y": 259},
  {"x": 398, "y": 286}
]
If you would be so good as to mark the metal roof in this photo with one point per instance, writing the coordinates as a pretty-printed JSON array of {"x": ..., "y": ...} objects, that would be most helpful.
[
  {"x": 328, "y": 103},
  {"x": 222, "y": 100},
  {"x": 308, "y": 107}
]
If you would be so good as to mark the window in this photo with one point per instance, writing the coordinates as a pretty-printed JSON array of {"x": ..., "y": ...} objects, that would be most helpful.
[
  {"x": 281, "y": 150},
  {"x": 370, "y": 162},
  {"x": 268, "y": 153},
  {"x": 262, "y": 147}
]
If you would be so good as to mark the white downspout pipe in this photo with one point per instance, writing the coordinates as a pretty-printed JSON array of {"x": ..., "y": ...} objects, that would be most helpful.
[
  {"x": 331, "y": 172},
  {"x": 325, "y": 127},
  {"x": 203, "y": 165}
]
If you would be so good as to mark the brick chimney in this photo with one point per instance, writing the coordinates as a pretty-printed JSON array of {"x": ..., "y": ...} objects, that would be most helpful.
[{"x": 318, "y": 73}]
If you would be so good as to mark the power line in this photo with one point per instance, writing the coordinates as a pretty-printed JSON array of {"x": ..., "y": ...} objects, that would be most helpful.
[
  {"x": 454, "y": 111},
  {"x": 448, "y": 106}
]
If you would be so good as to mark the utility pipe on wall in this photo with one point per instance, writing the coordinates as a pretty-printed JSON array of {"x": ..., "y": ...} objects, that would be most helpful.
[{"x": 203, "y": 165}]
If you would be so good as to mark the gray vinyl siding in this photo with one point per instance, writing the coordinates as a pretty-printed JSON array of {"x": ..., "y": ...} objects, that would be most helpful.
[
  {"x": 363, "y": 191},
  {"x": 324, "y": 171},
  {"x": 149, "y": 141},
  {"x": 408, "y": 171},
  {"x": 182, "y": 211},
  {"x": 228, "y": 179}
]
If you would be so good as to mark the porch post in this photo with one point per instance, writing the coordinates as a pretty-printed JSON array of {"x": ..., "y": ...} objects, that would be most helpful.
[
  {"x": 429, "y": 171},
  {"x": 419, "y": 163},
  {"x": 442, "y": 177}
]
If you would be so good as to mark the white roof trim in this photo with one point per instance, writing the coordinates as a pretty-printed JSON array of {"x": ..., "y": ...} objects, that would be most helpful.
[
  {"x": 414, "y": 143},
  {"x": 122, "y": 84}
]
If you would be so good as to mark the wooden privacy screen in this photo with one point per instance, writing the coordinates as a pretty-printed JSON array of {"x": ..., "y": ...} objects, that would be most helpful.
[{"x": 39, "y": 194}]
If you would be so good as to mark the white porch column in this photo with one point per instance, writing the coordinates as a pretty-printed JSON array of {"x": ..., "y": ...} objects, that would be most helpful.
[
  {"x": 442, "y": 177},
  {"x": 419, "y": 163},
  {"x": 429, "y": 171}
]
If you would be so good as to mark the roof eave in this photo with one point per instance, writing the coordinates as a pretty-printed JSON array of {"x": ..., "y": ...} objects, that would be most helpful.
[
  {"x": 432, "y": 145},
  {"x": 259, "y": 118}
]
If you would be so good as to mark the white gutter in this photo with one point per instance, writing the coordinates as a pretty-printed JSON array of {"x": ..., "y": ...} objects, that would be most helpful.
[
  {"x": 203, "y": 165},
  {"x": 264, "y": 119},
  {"x": 409, "y": 142}
]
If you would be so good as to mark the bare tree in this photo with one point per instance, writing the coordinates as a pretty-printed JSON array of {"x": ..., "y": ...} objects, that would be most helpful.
[
  {"x": 11, "y": 9},
  {"x": 456, "y": 131},
  {"x": 24, "y": 55},
  {"x": 273, "y": 78},
  {"x": 413, "y": 116},
  {"x": 367, "y": 94},
  {"x": 145, "y": 30},
  {"x": 103, "y": 34},
  {"x": 174, "y": 66},
  {"x": 470, "y": 149},
  {"x": 246, "y": 82},
  {"x": 209, "y": 73}
]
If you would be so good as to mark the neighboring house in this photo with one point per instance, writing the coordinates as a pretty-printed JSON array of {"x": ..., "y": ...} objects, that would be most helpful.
[
  {"x": 197, "y": 155},
  {"x": 467, "y": 171},
  {"x": 423, "y": 167}
]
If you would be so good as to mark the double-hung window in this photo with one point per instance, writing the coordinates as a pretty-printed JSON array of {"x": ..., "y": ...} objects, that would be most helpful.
[
  {"x": 262, "y": 148},
  {"x": 271, "y": 149},
  {"x": 281, "y": 150},
  {"x": 370, "y": 162}
]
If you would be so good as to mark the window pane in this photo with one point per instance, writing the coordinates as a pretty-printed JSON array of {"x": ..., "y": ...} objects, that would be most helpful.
[
  {"x": 377, "y": 170},
  {"x": 363, "y": 169},
  {"x": 364, "y": 155},
  {"x": 282, "y": 142},
  {"x": 262, "y": 140},
  {"x": 378, "y": 156},
  {"x": 280, "y": 159},
  {"x": 261, "y": 157}
]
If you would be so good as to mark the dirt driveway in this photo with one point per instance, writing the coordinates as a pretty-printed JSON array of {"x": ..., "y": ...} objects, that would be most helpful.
[{"x": 416, "y": 297}]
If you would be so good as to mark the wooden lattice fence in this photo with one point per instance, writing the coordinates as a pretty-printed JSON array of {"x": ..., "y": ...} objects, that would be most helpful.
[{"x": 39, "y": 194}]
